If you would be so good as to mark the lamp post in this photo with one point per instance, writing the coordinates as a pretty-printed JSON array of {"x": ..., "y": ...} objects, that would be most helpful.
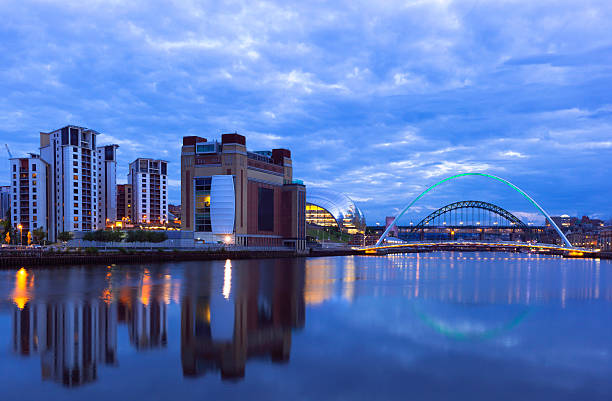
[{"x": 20, "y": 227}]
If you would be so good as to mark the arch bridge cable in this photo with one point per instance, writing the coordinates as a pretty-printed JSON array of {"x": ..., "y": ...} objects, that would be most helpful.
[{"x": 491, "y": 176}]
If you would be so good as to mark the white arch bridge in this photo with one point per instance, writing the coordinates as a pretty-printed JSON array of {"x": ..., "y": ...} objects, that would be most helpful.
[{"x": 385, "y": 246}]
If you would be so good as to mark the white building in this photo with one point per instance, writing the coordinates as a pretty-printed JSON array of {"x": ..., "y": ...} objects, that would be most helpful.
[
  {"x": 107, "y": 184},
  {"x": 149, "y": 179},
  {"x": 73, "y": 189},
  {"x": 28, "y": 194}
]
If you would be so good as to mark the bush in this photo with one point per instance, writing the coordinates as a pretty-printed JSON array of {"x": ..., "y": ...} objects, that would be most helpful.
[
  {"x": 146, "y": 236},
  {"x": 122, "y": 250},
  {"x": 64, "y": 236},
  {"x": 91, "y": 250}
]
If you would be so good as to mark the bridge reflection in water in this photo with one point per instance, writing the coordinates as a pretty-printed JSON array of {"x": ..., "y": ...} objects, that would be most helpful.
[{"x": 73, "y": 318}]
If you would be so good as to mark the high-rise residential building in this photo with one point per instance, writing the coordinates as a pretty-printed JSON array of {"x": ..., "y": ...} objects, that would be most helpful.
[
  {"x": 124, "y": 202},
  {"x": 107, "y": 184},
  {"x": 73, "y": 188},
  {"x": 5, "y": 201},
  {"x": 148, "y": 178},
  {"x": 29, "y": 194},
  {"x": 229, "y": 194}
]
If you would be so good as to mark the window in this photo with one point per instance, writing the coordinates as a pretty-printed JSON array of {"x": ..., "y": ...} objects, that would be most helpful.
[
  {"x": 76, "y": 198},
  {"x": 33, "y": 167},
  {"x": 34, "y": 189},
  {"x": 33, "y": 196},
  {"x": 34, "y": 182},
  {"x": 73, "y": 163},
  {"x": 76, "y": 225},
  {"x": 33, "y": 218},
  {"x": 75, "y": 177},
  {"x": 34, "y": 204},
  {"x": 202, "y": 204},
  {"x": 34, "y": 174},
  {"x": 76, "y": 184},
  {"x": 76, "y": 191},
  {"x": 75, "y": 156},
  {"x": 76, "y": 204},
  {"x": 76, "y": 212},
  {"x": 14, "y": 168}
]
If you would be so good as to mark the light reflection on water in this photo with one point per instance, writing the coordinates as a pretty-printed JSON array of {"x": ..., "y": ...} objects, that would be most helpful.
[{"x": 343, "y": 327}]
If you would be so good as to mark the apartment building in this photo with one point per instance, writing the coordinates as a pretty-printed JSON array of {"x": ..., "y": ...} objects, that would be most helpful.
[
  {"x": 149, "y": 181},
  {"x": 107, "y": 184},
  {"x": 29, "y": 194},
  {"x": 5, "y": 201},
  {"x": 73, "y": 188},
  {"x": 124, "y": 202}
]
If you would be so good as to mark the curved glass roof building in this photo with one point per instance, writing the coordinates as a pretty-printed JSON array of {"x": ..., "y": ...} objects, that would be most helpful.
[{"x": 328, "y": 208}]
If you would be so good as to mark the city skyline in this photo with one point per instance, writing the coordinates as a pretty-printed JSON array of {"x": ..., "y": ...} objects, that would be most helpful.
[{"x": 377, "y": 101}]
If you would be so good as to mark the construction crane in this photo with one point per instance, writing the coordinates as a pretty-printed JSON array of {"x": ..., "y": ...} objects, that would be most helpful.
[{"x": 8, "y": 150}]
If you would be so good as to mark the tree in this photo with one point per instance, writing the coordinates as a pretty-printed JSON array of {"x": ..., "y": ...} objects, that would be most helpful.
[
  {"x": 39, "y": 235},
  {"x": 104, "y": 236},
  {"x": 29, "y": 236},
  {"x": 64, "y": 236},
  {"x": 7, "y": 237}
]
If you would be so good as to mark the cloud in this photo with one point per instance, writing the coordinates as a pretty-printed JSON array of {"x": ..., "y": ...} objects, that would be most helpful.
[{"x": 376, "y": 99}]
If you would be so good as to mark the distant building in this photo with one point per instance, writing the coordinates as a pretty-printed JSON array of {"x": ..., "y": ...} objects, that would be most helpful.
[
  {"x": 329, "y": 208},
  {"x": 29, "y": 192},
  {"x": 175, "y": 210},
  {"x": 5, "y": 201},
  {"x": 604, "y": 242},
  {"x": 124, "y": 202},
  {"x": 149, "y": 181},
  {"x": 230, "y": 194},
  {"x": 107, "y": 185},
  {"x": 564, "y": 222}
]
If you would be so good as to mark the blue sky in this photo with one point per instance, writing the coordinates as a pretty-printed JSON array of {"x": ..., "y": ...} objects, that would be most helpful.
[{"x": 378, "y": 99}]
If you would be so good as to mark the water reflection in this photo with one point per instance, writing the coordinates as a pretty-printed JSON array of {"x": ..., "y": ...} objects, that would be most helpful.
[
  {"x": 267, "y": 305},
  {"x": 216, "y": 317}
]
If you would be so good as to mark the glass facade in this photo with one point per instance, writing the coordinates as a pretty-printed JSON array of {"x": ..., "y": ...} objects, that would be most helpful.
[
  {"x": 333, "y": 209},
  {"x": 319, "y": 216},
  {"x": 202, "y": 204}
]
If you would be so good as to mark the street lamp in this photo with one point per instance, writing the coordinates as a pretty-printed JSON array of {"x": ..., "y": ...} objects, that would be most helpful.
[{"x": 20, "y": 227}]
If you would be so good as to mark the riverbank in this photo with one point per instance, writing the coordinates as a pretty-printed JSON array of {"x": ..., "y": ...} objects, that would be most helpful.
[
  {"x": 41, "y": 258},
  {"x": 84, "y": 258}
]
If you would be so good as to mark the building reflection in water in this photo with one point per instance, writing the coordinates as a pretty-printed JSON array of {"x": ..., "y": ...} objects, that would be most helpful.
[
  {"x": 71, "y": 322},
  {"x": 268, "y": 304}
]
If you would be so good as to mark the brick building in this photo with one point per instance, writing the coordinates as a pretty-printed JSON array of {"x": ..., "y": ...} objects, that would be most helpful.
[{"x": 232, "y": 195}]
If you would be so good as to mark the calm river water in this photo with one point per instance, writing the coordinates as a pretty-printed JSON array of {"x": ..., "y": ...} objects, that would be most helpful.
[{"x": 461, "y": 326}]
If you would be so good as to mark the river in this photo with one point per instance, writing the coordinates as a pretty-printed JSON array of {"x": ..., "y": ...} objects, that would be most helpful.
[{"x": 446, "y": 325}]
